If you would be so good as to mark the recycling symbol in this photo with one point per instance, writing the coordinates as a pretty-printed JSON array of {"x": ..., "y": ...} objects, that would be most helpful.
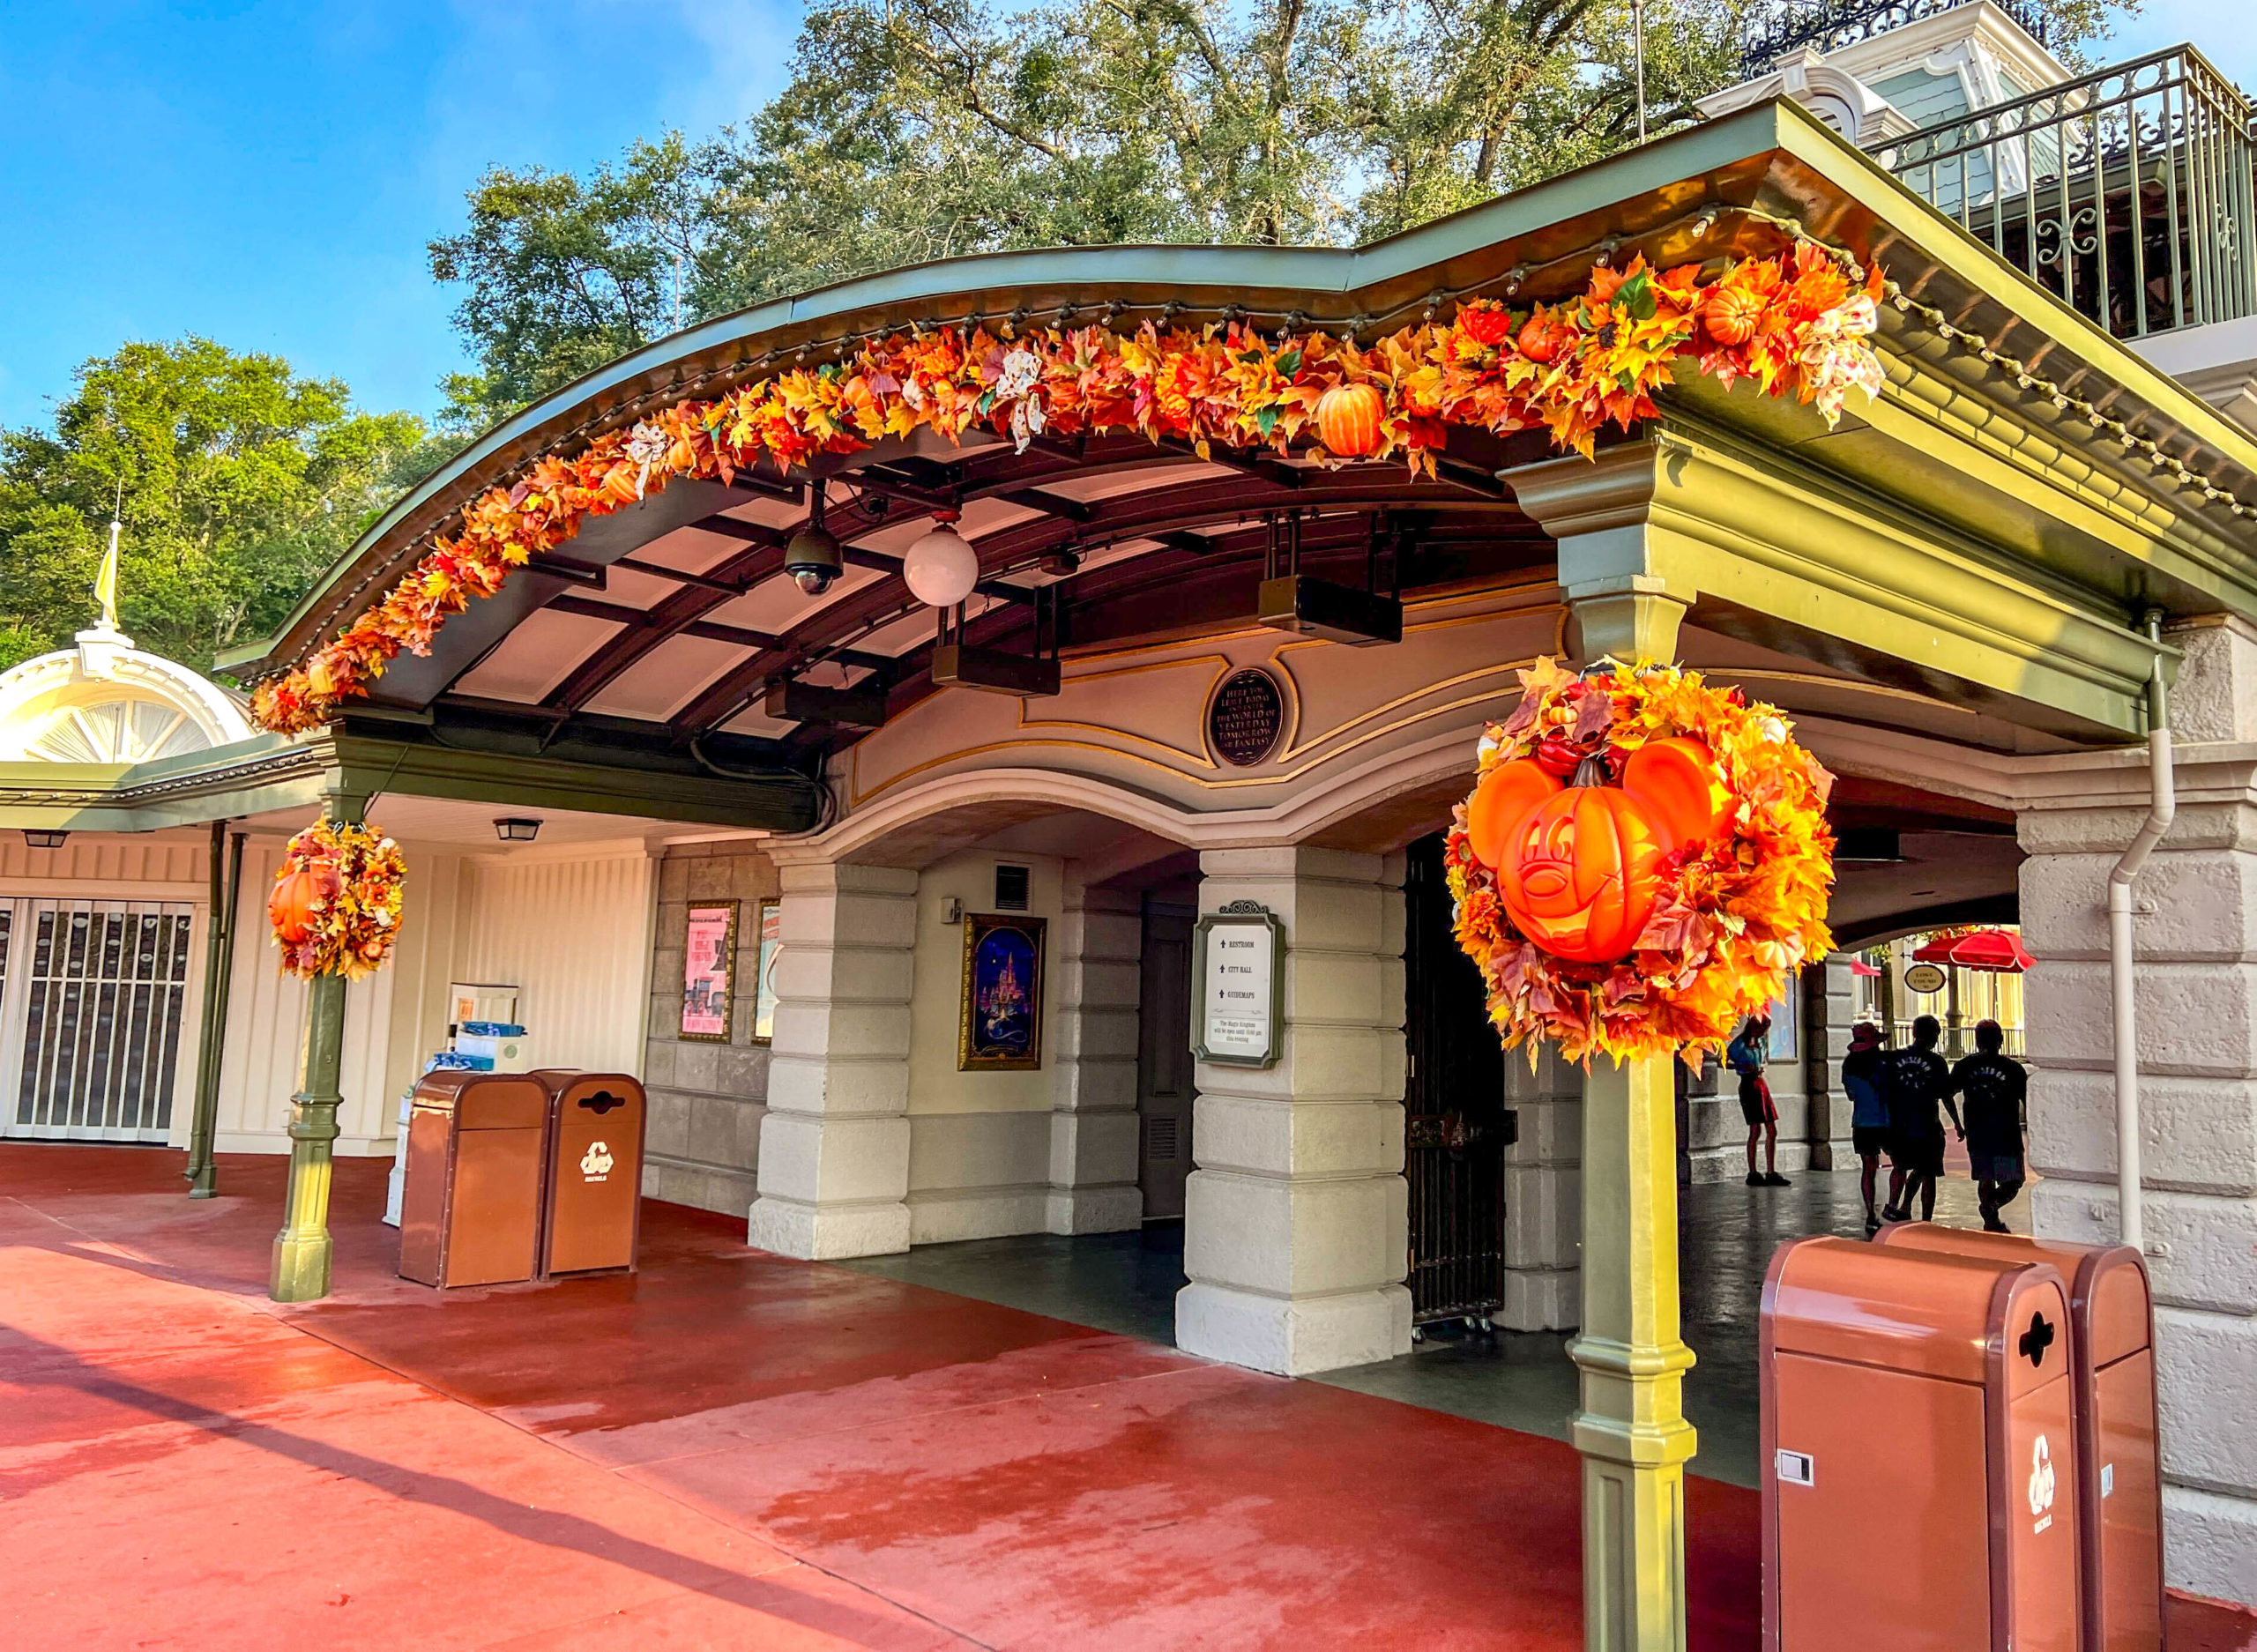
[
  {"x": 2041, "y": 1478},
  {"x": 595, "y": 1164}
]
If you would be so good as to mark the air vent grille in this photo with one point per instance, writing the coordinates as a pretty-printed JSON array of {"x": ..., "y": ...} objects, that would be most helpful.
[
  {"x": 1010, "y": 888},
  {"x": 1160, "y": 1137}
]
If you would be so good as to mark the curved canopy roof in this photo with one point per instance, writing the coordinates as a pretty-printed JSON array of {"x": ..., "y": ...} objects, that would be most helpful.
[{"x": 670, "y": 619}]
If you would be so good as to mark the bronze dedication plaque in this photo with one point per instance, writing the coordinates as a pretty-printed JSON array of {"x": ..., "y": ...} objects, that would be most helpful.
[{"x": 1246, "y": 716}]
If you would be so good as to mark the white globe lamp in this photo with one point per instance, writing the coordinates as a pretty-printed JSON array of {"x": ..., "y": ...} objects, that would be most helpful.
[{"x": 942, "y": 567}]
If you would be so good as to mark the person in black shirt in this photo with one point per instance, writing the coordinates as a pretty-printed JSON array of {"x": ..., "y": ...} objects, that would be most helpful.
[
  {"x": 1914, "y": 1080},
  {"x": 1996, "y": 1090}
]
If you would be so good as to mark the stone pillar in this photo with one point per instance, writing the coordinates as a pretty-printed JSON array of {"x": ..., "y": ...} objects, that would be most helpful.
[
  {"x": 834, "y": 1146},
  {"x": 2195, "y": 934},
  {"x": 1297, "y": 1227},
  {"x": 1093, "y": 1126},
  {"x": 1544, "y": 1207},
  {"x": 1829, "y": 1002}
]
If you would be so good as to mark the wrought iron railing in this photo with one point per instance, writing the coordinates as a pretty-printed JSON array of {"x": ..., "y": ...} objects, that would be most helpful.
[
  {"x": 1773, "y": 31},
  {"x": 2127, "y": 192}
]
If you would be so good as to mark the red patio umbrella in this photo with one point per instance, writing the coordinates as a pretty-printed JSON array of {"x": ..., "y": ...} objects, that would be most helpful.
[
  {"x": 1998, "y": 952},
  {"x": 1858, "y": 966}
]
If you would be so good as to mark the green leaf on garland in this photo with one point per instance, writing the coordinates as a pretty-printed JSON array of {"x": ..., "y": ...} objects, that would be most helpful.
[{"x": 1290, "y": 363}]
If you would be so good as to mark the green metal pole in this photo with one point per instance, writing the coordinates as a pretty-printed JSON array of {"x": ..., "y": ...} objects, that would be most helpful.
[
  {"x": 1631, "y": 1428},
  {"x": 203, "y": 1173},
  {"x": 302, "y": 1249}
]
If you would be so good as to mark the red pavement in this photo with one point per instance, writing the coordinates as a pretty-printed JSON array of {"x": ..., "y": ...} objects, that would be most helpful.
[{"x": 727, "y": 1449}]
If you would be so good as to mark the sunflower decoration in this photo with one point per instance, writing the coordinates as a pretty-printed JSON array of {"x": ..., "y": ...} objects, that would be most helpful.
[
  {"x": 337, "y": 900},
  {"x": 1798, "y": 324},
  {"x": 1642, "y": 862}
]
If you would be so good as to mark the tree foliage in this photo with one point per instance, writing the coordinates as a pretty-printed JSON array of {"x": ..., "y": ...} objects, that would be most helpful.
[
  {"x": 237, "y": 482},
  {"x": 914, "y": 130}
]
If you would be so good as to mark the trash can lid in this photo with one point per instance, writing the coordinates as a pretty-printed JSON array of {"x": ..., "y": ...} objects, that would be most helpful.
[
  {"x": 1902, "y": 1308},
  {"x": 2108, "y": 1283},
  {"x": 486, "y": 1101}
]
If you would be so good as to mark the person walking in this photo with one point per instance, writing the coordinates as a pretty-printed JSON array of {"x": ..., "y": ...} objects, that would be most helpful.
[
  {"x": 1997, "y": 1091},
  {"x": 1861, "y": 1078},
  {"x": 1914, "y": 1081},
  {"x": 1746, "y": 1055}
]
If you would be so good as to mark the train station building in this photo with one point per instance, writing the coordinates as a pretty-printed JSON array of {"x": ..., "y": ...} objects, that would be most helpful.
[{"x": 1186, "y": 686}]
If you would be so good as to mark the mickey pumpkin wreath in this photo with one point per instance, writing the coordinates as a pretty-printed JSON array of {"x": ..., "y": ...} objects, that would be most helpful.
[
  {"x": 1642, "y": 862},
  {"x": 337, "y": 900}
]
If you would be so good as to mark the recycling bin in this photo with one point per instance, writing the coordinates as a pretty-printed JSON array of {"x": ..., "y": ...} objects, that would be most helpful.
[
  {"x": 1919, "y": 1452},
  {"x": 595, "y": 1170},
  {"x": 2112, "y": 1373},
  {"x": 470, "y": 1214}
]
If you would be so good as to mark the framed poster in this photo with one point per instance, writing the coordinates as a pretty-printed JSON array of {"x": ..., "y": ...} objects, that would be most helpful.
[
  {"x": 1000, "y": 1030},
  {"x": 1238, "y": 984},
  {"x": 709, "y": 957},
  {"x": 763, "y": 983}
]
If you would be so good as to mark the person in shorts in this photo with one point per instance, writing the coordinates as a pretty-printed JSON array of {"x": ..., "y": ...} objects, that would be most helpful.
[
  {"x": 1868, "y": 1111},
  {"x": 1915, "y": 1082},
  {"x": 1996, "y": 1091},
  {"x": 1746, "y": 1055}
]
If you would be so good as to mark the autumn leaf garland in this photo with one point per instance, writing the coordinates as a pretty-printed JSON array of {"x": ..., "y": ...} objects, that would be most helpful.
[{"x": 1794, "y": 323}]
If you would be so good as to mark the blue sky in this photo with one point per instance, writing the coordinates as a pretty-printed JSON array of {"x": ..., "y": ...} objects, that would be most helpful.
[{"x": 267, "y": 174}]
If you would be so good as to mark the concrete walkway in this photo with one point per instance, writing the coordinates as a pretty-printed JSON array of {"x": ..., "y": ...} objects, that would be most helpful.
[
  {"x": 1728, "y": 1233},
  {"x": 725, "y": 1449}
]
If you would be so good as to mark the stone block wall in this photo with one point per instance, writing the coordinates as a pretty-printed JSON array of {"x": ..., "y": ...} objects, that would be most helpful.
[
  {"x": 707, "y": 1100},
  {"x": 2194, "y": 982}
]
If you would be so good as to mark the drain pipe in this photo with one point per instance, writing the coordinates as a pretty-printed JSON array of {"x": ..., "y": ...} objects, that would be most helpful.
[{"x": 2162, "y": 804}]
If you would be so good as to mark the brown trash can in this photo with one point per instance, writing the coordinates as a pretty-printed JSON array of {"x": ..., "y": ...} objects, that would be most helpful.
[
  {"x": 2119, "y": 1474},
  {"x": 1919, "y": 1455},
  {"x": 595, "y": 1170},
  {"x": 470, "y": 1213}
]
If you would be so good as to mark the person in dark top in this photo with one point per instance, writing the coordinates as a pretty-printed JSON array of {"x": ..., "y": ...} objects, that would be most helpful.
[
  {"x": 1914, "y": 1081},
  {"x": 1746, "y": 1055},
  {"x": 1996, "y": 1091},
  {"x": 1868, "y": 1111}
]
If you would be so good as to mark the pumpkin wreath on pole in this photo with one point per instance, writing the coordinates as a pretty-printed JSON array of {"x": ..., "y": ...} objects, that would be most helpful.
[
  {"x": 1643, "y": 861},
  {"x": 337, "y": 900}
]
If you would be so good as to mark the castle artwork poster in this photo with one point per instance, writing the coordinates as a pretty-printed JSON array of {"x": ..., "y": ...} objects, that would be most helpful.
[{"x": 1001, "y": 1026}]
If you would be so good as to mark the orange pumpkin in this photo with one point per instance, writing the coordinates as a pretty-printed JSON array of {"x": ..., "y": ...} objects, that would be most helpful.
[
  {"x": 1579, "y": 867},
  {"x": 299, "y": 894},
  {"x": 1348, "y": 418},
  {"x": 1545, "y": 338},
  {"x": 1579, "y": 876},
  {"x": 1731, "y": 313}
]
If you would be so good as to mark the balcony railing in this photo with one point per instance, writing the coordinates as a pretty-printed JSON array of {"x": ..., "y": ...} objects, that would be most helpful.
[
  {"x": 1773, "y": 31},
  {"x": 2127, "y": 192}
]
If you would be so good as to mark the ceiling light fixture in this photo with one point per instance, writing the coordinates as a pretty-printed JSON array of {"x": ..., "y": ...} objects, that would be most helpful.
[
  {"x": 40, "y": 839},
  {"x": 942, "y": 567},
  {"x": 516, "y": 829}
]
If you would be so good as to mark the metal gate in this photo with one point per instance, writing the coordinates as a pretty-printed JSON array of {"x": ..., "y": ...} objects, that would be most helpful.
[
  {"x": 1458, "y": 1127},
  {"x": 91, "y": 996}
]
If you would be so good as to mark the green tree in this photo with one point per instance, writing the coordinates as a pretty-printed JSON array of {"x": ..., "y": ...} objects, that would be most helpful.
[
  {"x": 237, "y": 482},
  {"x": 914, "y": 130}
]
